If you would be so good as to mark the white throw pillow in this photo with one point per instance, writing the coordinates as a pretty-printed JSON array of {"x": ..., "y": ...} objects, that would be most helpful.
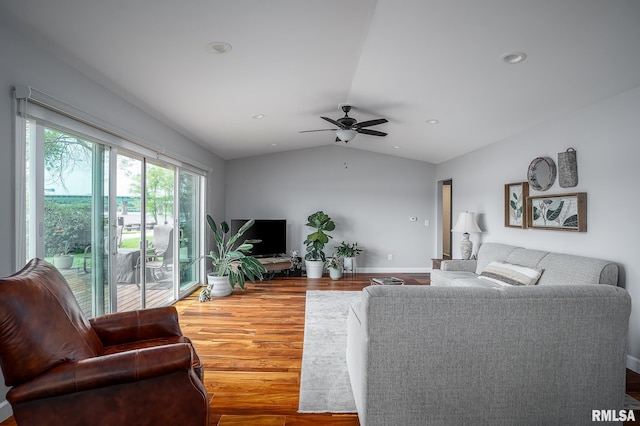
[{"x": 510, "y": 274}]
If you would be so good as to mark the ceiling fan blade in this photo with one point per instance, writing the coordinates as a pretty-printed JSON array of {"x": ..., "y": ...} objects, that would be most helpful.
[
  {"x": 334, "y": 122},
  {"x": 371, "y": 132},
  {"x": 372, "y": 122},
  {"x": 319, "y": 130}
]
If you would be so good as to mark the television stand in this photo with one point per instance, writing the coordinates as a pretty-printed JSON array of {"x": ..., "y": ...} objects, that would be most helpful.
[{"x": 276, "y": 264}]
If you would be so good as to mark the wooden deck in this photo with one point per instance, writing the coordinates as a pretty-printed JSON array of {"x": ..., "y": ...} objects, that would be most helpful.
[{"x": 129, "y": 294}]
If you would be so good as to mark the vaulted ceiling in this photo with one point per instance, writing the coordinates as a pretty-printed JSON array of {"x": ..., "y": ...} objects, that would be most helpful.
[{"x": 292, "y": 61}]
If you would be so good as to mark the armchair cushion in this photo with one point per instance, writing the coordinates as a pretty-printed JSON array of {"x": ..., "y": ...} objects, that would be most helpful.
[
  {"x": 87, "y": 374},
  {"x": 124, "y": 327},
  {"x": 42, "y": 323}
]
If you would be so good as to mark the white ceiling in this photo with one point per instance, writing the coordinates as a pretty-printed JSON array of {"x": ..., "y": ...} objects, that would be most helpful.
[{"x": 293, "y": 61}]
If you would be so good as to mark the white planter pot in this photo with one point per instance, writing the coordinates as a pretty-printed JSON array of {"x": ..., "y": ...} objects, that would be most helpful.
[
  {"x": 219, "y": 286},
  {"x": 335, "y": 273},
  {"x": 63, "y": 262},
  {"x": 314, "y": 268},
  {"x": 349, "y": 264}
]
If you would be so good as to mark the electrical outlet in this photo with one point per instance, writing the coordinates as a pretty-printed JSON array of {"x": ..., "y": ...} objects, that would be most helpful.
[
  {"x": 389, "y": 256},
  {"x": 426, "y": 222}
]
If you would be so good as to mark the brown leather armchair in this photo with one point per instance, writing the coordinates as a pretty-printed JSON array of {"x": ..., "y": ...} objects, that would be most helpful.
[{"x": 130, "y": 368}]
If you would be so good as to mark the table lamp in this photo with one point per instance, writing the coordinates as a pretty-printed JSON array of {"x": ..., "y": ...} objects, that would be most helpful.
[{"x": 466, "y": 224}]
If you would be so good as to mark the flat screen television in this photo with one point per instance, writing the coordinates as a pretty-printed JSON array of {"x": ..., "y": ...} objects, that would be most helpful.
[{"x": 272, "y": 232}]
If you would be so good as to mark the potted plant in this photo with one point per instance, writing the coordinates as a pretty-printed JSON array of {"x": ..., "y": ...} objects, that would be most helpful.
[
  {"x": 349, "y": 253},
  {"x": 63, "y": 260},
  {"x": 335, "y": 266},
  {"x": 315, "y": 242},
  {"x": 231, "y": 265},
  {"x": 296, "y": 264}
]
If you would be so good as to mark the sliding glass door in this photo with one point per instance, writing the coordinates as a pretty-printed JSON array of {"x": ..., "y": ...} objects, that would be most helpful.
[
  {"x": 122, "y": 228},
  {"x": 67, "y": 202},
  {"x": 130, "y": 230},
  {"x": 160, "y": 229},
  {"x": 189, "y": 210}
]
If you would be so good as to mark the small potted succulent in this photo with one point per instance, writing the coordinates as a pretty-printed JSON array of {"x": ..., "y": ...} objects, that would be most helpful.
[
  {"x": 296, "y": 264},
  {"x": 335, "y": 265}
]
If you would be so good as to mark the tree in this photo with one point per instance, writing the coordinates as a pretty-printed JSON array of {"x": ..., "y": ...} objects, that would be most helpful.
[
  {"x": 63, "y": 153},
  {"x": 159, "y": 192}
]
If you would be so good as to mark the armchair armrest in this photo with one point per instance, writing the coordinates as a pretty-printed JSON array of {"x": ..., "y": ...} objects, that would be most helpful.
[
  {"x": 102, "y": 371},
  {"x": 125, "y": 327},
  {"x": 459, "y": 265}
]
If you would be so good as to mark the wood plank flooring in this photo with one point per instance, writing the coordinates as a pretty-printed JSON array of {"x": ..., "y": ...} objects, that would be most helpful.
[{"x": 251, "y": 347}]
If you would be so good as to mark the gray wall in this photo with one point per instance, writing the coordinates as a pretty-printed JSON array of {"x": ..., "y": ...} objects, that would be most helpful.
[
  {"x": 369, "y": 196},
  {"x": 605, "y": 136},
  {"x": 23, "y": 63}
]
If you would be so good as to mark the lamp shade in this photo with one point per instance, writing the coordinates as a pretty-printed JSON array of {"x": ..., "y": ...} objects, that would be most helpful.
[
  {"x": 345, "y": 135},
  {"x": 466, "y": 223}
]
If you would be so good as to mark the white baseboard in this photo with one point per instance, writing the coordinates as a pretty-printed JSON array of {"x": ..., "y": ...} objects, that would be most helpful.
[
  {"x": 633, "y": 363},
  {"x": 391, "y": 271},
  {"x": 5, "y": 410}
]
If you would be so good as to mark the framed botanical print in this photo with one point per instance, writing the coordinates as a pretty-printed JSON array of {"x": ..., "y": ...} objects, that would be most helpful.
[
  {"x": 515, "y": 204},
  {"x": 561, "y": 212}
]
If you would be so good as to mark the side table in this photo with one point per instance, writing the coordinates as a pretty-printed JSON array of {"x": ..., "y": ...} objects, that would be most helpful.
[{"x": 435, "y": 263}]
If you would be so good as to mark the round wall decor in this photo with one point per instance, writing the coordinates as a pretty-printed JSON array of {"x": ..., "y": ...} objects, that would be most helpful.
[{"x": 542, "y": 173}]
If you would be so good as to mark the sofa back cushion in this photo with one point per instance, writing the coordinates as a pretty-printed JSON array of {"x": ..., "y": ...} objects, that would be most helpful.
[
  {"x": 568, "y": 269},
  {"x": 492, "y": 252},
  {"x": 41, "y": 323},
  {"x": 557, "y": 268},
  {"x": 525, "y": 257}
]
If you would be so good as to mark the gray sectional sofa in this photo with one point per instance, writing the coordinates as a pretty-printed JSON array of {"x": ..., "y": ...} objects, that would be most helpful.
[
  {"x": 503, "y": 355},
  {"x": 556, "y": 268}
]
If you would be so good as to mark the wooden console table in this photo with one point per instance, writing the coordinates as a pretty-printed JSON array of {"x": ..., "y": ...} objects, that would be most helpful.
[{"x": 275, "y": 264}]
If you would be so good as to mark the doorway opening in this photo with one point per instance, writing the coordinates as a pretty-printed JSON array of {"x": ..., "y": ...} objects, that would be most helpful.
[{"x": 445, "y": 201}]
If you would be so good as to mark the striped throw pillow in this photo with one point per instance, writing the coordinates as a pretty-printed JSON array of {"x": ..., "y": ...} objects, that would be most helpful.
[{"x": 509, "y": 274}]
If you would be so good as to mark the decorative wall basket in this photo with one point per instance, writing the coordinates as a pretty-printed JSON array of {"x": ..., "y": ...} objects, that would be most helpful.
[{"x": 568, "y": 168}]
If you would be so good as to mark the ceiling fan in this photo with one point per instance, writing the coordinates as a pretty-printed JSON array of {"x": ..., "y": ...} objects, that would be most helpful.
[{"x": 349, "y": 127}]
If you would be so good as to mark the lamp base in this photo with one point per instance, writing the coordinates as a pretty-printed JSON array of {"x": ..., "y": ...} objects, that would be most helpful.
[{"x": 466, "y": 247}]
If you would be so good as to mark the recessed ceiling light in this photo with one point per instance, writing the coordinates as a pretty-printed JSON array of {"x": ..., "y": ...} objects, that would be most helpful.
[
  {"x": 514, "y": 57},
  {"x": 258, "y": 116},
  {"x": 218, "y": 47},
  {"x": 432, "y": 121},
  {"x": 396, "y": 147},
  {"x": 274, "y": 144}
]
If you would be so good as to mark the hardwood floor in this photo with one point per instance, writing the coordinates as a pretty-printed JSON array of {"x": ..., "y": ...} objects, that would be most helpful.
[{"x": 251, "y": 346}]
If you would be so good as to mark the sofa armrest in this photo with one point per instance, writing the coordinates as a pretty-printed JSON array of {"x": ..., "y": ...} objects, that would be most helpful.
[
  {"x": 103, "y": 371},
  {"x": 125, "y": 327},
  {"x": 459, "y": 265}
]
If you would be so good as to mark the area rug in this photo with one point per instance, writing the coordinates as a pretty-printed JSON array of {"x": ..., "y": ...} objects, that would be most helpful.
[{"x": 324, "y": 380}]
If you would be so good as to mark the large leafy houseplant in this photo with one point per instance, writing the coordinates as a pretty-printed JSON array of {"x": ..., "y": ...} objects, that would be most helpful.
[
  {"x": 315, "y": 242},
  {"x": 234, "y": 262}
]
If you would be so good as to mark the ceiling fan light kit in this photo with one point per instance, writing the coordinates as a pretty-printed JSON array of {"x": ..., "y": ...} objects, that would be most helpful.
[{"x": 346, "y": 135}]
